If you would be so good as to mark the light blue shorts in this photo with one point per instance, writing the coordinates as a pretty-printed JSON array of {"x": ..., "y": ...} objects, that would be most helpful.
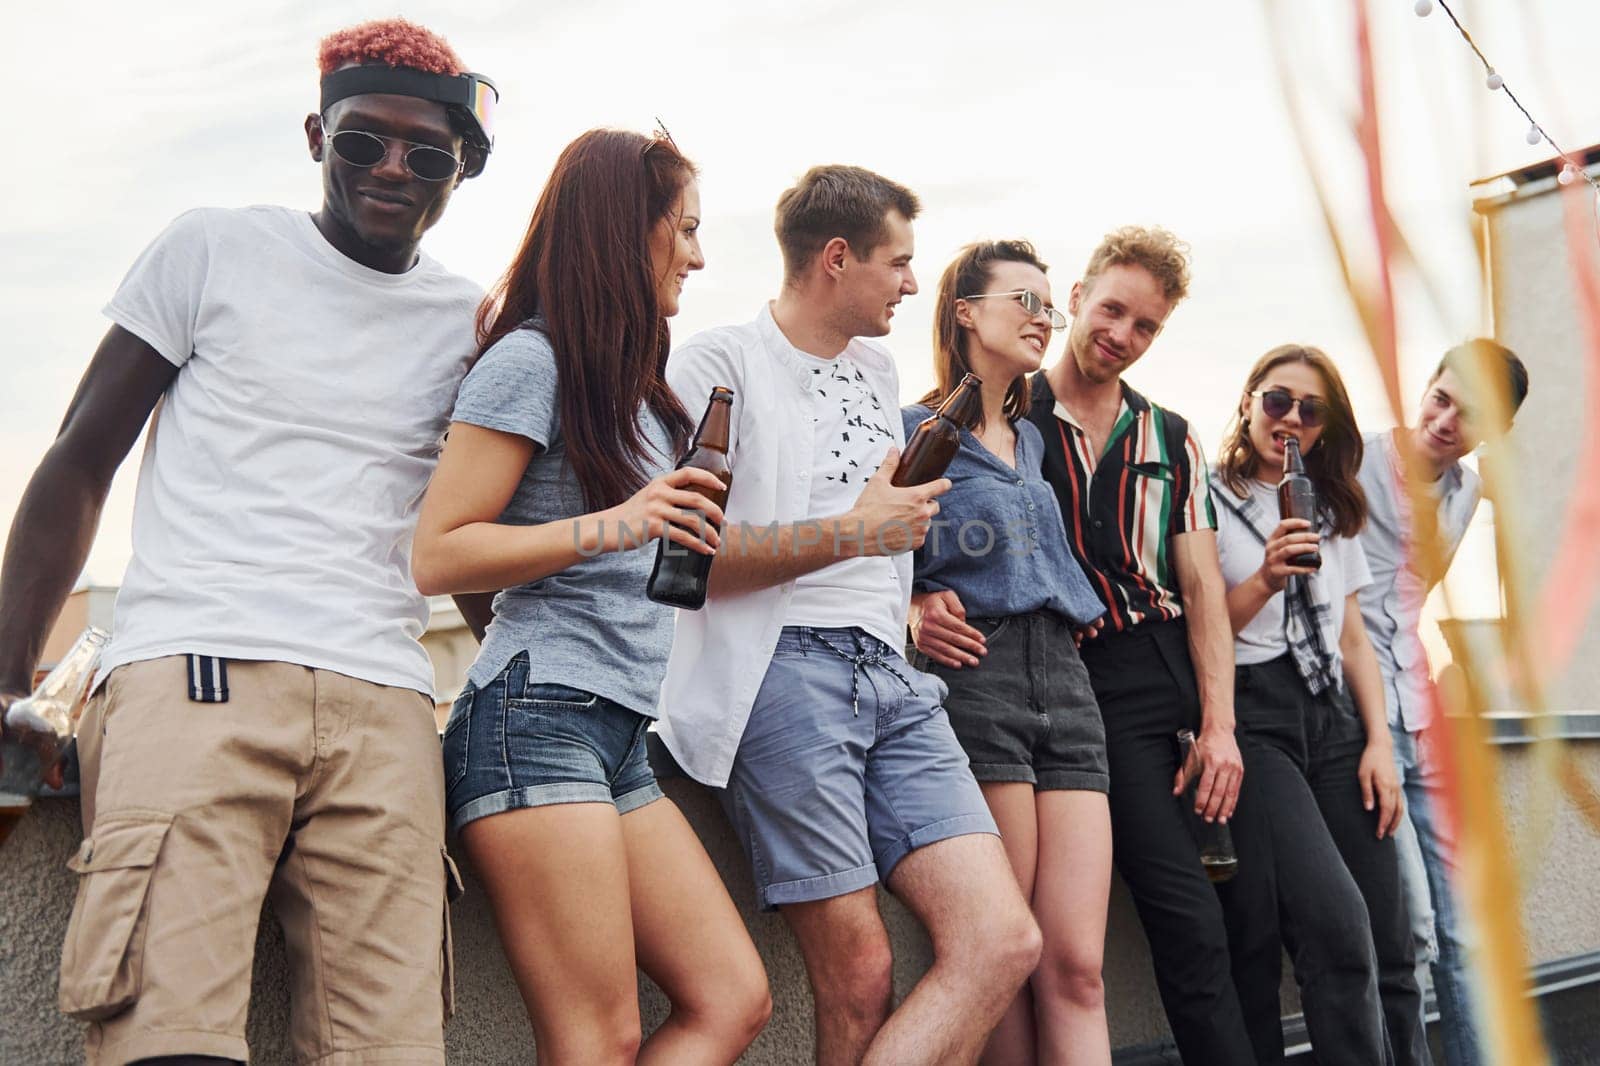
[{"x": 847, "y": 765}]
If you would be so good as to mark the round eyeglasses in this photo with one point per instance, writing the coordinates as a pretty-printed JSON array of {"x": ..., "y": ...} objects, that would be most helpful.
[
  {"x": 1031, "y": 302},
  {"x": 366, "y": 150}
]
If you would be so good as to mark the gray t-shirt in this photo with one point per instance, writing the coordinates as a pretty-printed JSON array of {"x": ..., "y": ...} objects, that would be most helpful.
[{"x": 591, "y": 625}]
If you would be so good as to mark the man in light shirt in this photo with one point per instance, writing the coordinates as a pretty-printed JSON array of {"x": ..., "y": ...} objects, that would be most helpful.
[
  {"x": 1450, "y": 424},
  {"x": 789, "y": 689},
  {"x": 264, "y": 724}
]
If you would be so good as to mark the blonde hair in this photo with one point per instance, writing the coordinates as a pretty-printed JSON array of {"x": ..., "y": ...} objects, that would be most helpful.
[{"x": 1153, "y": 248}]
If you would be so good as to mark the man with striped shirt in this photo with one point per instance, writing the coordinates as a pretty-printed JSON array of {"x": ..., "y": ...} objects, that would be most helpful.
[{"x": 1131, "y": 480}]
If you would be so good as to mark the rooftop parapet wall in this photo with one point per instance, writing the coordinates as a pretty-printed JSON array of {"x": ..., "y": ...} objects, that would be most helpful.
[{"x": 1561, "y": 912}]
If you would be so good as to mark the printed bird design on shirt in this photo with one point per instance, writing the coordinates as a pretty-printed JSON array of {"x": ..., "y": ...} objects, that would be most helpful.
[{"x": 852, "y": 431}]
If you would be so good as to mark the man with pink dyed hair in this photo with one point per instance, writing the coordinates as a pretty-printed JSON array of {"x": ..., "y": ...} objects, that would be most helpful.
[{"x": 263, "y": 722}]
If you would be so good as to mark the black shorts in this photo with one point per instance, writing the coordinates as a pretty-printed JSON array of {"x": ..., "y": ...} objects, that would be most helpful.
[{"x": 1026, "y": 712}]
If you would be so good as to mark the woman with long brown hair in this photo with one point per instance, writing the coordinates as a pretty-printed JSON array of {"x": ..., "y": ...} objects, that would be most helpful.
[
  {"x": 1000, "y": 579},
  {"x": 1318, "y": 871},
  {"x": 556, "y": 477}
]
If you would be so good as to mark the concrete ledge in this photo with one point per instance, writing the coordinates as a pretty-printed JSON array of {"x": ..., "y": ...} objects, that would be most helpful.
[
  {"x": 490, "y": 1027},
  {"x": 1561, "y": 915}
]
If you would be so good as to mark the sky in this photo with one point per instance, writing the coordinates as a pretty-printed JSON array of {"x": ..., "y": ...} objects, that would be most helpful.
[{"x": 1052, "y": 121}]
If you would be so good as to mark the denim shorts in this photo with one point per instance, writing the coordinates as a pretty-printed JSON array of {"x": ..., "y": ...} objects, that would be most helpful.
[
  {"x": 1027, "y": 711},
  {"x": 846, "y": 766},
  {"x": 515, "y": 744}
]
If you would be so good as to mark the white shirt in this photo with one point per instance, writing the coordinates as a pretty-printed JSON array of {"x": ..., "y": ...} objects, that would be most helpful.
[
  {"x": 285, "y": 467},
  {"x": 1391, "y": 606},
  {"x": 720, "y": 653},
  {"x": 1344, "y": 570},
  {"x": 851, "y": 434}
]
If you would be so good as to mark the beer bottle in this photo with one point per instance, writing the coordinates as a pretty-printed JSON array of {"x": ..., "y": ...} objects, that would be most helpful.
[
  {"x": 937, "y": 439},
  {"x": 681, "y": 575},
  {"x": 1297, "y": 498},
  {"x": 1214, "y": 839},
  {"x": 39, "y": 726}
]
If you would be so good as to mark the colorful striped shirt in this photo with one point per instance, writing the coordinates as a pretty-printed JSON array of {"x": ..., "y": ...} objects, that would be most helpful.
[{"x": 1123, "y": 507}]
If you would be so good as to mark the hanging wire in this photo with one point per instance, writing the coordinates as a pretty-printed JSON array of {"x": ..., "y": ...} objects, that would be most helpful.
[
  {"x": 1572, "y": 166},
  {"x": 1578, "y": 168}
]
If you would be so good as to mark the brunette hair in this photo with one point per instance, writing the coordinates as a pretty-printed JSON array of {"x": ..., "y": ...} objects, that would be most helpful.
[
  {"x": 1492, "y": 358},
  {"x": 837, "y": 201},
  {"x": 584, "y": 267},
  {"x": 1333, "y": 464},
  {"x": 1155, "y": 249},
  {"x": 967, "y": 274}
]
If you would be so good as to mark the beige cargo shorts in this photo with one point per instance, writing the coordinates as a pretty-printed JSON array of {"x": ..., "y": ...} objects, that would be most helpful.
[{"x": 322, "y": 790}]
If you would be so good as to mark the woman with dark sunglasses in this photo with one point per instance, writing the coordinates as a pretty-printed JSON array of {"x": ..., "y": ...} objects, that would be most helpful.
[
  {"x": 997, "y": 574},
  {"x": 1314, "y": 829},
  {"x": 557, "y": 472}
]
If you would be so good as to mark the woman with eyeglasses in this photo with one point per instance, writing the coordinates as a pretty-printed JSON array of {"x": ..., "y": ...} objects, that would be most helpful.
[
  {"x": 1314, "y": 829},
  {"x": 997, "y": 572},
  {"x": 556, "y": 477}
]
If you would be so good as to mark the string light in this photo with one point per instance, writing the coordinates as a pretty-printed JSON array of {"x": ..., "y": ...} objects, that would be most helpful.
[{"x": 1571, "y": 170}]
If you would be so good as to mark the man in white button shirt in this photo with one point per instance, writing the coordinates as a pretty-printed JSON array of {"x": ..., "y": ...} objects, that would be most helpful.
[
  {"x": 789, "y": 690},
  {"x": 1450, "y": 424}
]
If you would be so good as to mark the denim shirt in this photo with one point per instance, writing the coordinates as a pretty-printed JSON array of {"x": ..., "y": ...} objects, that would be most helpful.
[{"x": 998, "y": 541}]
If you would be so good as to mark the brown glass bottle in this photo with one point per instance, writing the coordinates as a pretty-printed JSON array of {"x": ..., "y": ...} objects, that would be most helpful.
[
  {"x": 1297, "y": 498},
  {"x": 681, "y": 575},
  {"x": 1217, "y": 856},
  {"x": 937, "y": 438}
]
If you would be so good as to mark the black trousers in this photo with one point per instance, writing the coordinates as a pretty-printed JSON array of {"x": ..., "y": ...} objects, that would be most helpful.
[
  {"x": 1144, "y": 683},
  {"x": 1314, "y": 878}
]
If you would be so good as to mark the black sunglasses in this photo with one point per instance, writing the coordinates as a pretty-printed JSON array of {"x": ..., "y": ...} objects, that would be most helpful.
[
  {"x": 362, "y": 149},
  {"x": 1277, "y": 403}
]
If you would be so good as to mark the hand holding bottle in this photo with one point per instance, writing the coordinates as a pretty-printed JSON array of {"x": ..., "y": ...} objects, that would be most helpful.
[
  {"x": 677, "y": 505},
  {"x": 35, "y": 729},
  {"x": 1290, "y": 542},
  {"x": 888, "y": 519},
  {"x": 53, "y": 774}
]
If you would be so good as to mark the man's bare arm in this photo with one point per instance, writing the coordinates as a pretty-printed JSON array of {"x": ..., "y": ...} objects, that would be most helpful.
[
  {"x": 59, "y": 512},
  {"x": 1211, "y": 650},
  {"x": 885, "y": 520},
  {"x": 477, "y": 610}
]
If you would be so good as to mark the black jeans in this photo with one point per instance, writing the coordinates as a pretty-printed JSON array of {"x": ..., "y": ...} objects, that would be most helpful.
[
  {"x": 1145, "y": 686},
  {"x": 1314, "y": 878}
]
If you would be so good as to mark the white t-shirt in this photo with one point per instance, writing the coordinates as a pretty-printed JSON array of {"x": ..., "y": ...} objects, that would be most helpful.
[
  {"x": 285, "y": 466},
  {"x": 850, "y": 435},
  {"x": 1344, "y": 570}
]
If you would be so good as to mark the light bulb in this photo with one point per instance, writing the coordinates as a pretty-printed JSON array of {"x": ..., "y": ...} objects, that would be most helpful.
[
  {"x": 1494, "y": 81},
  {"x": 1568, "y": 175},
  {"x": 1534, "y": 136},
  {"x": 1422, "y": 8}
]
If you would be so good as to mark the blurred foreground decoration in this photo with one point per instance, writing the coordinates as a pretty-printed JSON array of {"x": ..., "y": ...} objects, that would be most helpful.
[{"x": 1542, "y": 626}]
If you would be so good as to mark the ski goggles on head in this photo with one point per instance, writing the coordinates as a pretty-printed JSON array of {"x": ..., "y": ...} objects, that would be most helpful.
[{"x": 469, "y": 98}]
